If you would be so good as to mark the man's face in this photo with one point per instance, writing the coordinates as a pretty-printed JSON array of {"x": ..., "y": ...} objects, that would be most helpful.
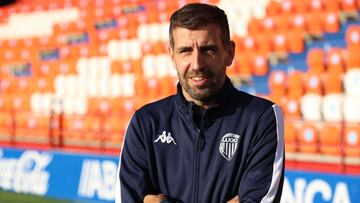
[{"x": 200, "y": 59}]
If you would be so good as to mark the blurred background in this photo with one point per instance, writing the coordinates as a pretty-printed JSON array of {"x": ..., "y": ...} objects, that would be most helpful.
[{"x": 72, "y": 72}]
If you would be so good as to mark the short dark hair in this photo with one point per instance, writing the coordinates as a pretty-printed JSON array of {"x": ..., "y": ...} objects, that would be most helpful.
[{"x": 196, "y": 15}]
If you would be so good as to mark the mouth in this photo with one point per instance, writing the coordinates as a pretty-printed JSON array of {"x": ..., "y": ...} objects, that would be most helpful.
[{"x": 199, "y": 81}]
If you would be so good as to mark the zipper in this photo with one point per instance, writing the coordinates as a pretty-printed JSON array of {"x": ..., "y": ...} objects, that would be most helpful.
[{"x": 197, "y": 167}]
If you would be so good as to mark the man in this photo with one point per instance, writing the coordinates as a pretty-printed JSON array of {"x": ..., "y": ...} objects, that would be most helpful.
[{"x": 209, "y": 142}]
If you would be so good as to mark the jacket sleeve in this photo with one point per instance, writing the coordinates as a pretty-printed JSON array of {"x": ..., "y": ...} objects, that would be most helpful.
[
  {"x": 133, "y": 181},
  {"x": 264, "y": 174}
]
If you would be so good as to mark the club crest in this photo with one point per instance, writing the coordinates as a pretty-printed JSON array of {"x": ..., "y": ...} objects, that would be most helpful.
[{"x": 228, "y": 145}]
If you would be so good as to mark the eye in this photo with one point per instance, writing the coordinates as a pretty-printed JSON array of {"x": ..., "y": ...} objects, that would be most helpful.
[
  {"x": 210, "y": 50},
  {"x": 185, "y": 50}
]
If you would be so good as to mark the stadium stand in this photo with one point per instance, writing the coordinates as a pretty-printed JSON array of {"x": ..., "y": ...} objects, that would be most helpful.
[{"x": 73, "y": 72}]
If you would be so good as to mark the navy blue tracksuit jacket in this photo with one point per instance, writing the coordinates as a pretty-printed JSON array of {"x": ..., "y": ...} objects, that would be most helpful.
[{"x": 238, "y": 149}]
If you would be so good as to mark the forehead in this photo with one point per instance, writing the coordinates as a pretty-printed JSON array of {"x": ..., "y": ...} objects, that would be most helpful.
[{"x": 210, "y": 34}]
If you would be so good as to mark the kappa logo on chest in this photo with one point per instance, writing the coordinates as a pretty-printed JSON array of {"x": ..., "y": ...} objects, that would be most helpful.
[
  {"x": 228, "y": 145},
  {"x": 166, "y": 138}
]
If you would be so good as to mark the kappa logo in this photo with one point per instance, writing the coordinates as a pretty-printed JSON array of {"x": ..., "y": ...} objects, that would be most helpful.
[
  {"x": 228, "y": 145},
  {"x": 163, "y": 138}
]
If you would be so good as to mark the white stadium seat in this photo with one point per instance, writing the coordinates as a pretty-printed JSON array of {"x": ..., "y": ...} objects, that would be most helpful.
[
  {"x": 352, "y": 82},
  {"x": 351, "y": 108},
  {"x": 332, "y": 107},
  {"x": 311, "y": 107}
]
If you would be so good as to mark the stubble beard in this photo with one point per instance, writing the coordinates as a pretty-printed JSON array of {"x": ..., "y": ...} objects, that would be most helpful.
[{"x": 203, "y": 94}]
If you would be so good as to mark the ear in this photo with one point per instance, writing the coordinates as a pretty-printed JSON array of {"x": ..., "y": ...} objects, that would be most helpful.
[
  {"x": 171, "y": 53},
  {"x": 230, "y": 53},
  {"x": 170, "y": 50}
]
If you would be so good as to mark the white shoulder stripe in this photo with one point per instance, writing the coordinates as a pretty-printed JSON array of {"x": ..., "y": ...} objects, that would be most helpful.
[
  {"x": 117, "y": 185},
  {"x": 279, "y": 157}
]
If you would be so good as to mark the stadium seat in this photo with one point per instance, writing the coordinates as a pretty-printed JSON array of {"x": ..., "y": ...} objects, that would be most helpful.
[
  {"x": 81, "y": 131},
  {"x": 114, "y": 130},
  {"x": 332, "y": 6},
  {"x": 352, "y": 57},
  {"x": 292, "y": 109},
  {"x": 352, "y": 82},
  {"x": 308, "y": 138},
  {"x": 332, "y": 110},
  {"x": 330, "y": 139},
  {"x": 313, "y": 83},
  {"x": 311, "y": 107},
  {"x": 331, "y": 22},
  {"x": 332, "y": 82},
  {"x": 298, "y": 23},
  {"x": 352, "y": 37},
  {"x": 352, "y": 140},
  {"x": 296, "y": 41},
  {"x": 315, "y": 60},
  {"x": 291, "y": 143},
  {"x": 348, "y": 6},
  {"x": 280, "y": 43},
  {"x": 314, "y": 22},
  {"x": 260, "y": 65},
  {"x": 295, "y": 84},
  {"x": 6, "y": 126},
  {"x": 334, "y": 61},
  {"x": 277, "y": 83},
  {"x": 31, "y": 129},
  {"x": 351, "y": 108}
]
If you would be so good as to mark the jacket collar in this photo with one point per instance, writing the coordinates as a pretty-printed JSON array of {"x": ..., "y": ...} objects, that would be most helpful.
[{"x": 187, "y": 108}]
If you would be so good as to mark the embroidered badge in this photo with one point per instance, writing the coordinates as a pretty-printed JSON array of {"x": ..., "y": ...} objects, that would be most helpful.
[{"x": 228, "y": 145}]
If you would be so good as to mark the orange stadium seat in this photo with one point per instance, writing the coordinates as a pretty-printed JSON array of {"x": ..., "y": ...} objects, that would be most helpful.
[
  {"x": 255, "y": 26},
  {"x": 273, "y": 8},
  {"x": 352, "y": 37},
  {"x": 21, "y": 102},
  {"x": 291, "y": 144},
  {"x": 114, "y": 130},
  {"x": 300, "y": 6},
  {"x": 263, "y": 44},
  {"x": 352, "y": 57},
  {"x": 292, "y": 109},
  {"x": 21, "y": 84},
  {"x": 313, "y": 83},
  {"x": 314, "y": 22},
  {"x": 315, "y": 60},
  {"x": 297, "y": 23},
  {"x": 330, "y": 139},
  {"x": 331, "y": 22},
  {"x": 6, "y": 126},
  {"x": 332, "y": 5},
  {"x": 243, "y": 63},
  {"x": 279, "y": 43},
  {"x": 81, "y": 131},
  {"x": 6, "y": 103},
  {"x": 295, "y": 84},
  {"x": 268, "y": 24},
  {"x": 277, "y": 83},
  {"x": 32, "y": 129},
  {"x": 260, "y": 65},
  {"x": 334, "y": 61},
  {"x": 352, "y": 140},
  {"x": 348, "y": 5},
  {"x": 332, "y": 83},
  {"x": 296, "y": 41},
  {"x": 308, "y": 138}
]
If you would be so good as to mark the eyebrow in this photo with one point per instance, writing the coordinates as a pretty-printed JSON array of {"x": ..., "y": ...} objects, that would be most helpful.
[{"x": 202, "y": 48}]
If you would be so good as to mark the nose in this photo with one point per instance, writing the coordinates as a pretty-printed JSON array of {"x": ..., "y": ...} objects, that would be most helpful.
[{"x": 198, "y": 60}]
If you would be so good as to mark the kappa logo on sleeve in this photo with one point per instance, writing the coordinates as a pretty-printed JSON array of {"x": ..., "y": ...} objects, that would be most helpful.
[
  {"x": 228, "y": 145},
  {"x": 165, "y": 138}
]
